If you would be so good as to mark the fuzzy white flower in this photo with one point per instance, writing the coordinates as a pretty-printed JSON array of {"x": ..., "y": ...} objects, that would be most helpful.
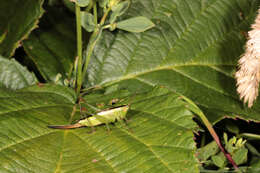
[{"x": 248, "y": 75}]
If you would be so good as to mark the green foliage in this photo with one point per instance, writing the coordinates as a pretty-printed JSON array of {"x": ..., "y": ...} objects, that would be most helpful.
[
  {"x": 18, "y": 18},
  {"x": 82, "y": 3},
  {"x": 207, "y": 151},
  {"x": 13, "y": 75},
  {"x": 159, "y": 135},
  {"x": 119, "y": 10},
  {"x": 210, "y": 154},
  {"x": 135, "y": 24},
  {"x": 87, "y": 21},
  {"x": 189, "y": 49},
  {"x": 53, "y": 50},
  {"x": 192, "y": 50}
]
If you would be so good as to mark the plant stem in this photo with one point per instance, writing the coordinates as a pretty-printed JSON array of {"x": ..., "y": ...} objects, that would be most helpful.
[
  {"x": 94, "y": 38},
  {"x": 79, "y": 48},
  {"x": 103, "y": 19},
  {"x": 206, "y": 122},
  {"x": 217, "y": 140},
  {"x": 250, "y": 136},
  {"x": 92, "y": 42},
  {"x": 95, "y": 12}
]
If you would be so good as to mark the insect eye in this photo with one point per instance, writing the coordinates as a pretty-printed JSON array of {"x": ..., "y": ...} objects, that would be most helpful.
[{"x": 113, "y": 101}]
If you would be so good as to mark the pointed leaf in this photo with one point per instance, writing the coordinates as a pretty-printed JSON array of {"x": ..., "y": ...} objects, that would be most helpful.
[
  {"x": 207, "y": 151},
  {"x": 192, "y": 50},
  {"x": 82, "y": 3},
  {"x": 240, "y": 156},
  {"x": 119, "y": 10},
  {"x": 13, "y": 75},
  {"x": 53, "y": 50},
  {"x": 18, "y": 18},
  {"x": 87, "y": 21},
  {"x": 135, "y": 24},
  {"x": 157, "y": 138}
]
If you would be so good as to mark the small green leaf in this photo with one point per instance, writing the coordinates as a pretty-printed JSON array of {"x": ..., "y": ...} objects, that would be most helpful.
[
  {"x": 118, "y": 10},
  {"x": 135, "y": 24},
  {"x": 87, "y": 21},
  {"x": 240, "y": 156},
  {"x": 209, "y": 150},
  {"x": 82, "y": 3},
  {"x": 219, "y": 160},
  {"x": 13, "y": 75}
]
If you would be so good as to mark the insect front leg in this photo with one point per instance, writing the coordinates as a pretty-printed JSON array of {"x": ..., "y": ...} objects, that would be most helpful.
[
  {"x": 123, "y": 122},
  {"x": 92, "y": 127},
  {"x": 108, "y": 128},
  {"x": 84, "y": 115}
]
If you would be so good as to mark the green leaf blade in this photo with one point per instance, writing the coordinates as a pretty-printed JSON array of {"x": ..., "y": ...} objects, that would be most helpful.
[
  {"x": 18, "y": 19},
  {"x": 87, "y": 21},
  {"x": 23, "y": 118},
  {"x": 119, "y": 10},
  {"x": 155, "y": 134},
  {"x": 13, "y": 75},
  {"x": 187, "y": 51},
  {"x": 82, "y": 3},
  {"x": 54, "y": 50},
  {"x": 135, "y": 24}
]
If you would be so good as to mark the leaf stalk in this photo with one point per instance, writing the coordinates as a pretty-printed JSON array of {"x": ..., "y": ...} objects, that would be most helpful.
[
  {"x": 92, "y": 42},
  {"x": 79, "y": 49}
]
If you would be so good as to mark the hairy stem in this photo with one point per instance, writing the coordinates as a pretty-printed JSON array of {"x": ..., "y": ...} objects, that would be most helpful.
[{"x": 79, "y": 48}]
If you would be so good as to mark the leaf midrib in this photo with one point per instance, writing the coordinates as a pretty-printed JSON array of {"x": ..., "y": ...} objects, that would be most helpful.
[{"x": 173, "y": 67}]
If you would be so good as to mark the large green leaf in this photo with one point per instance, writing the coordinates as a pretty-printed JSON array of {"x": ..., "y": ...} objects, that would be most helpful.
[
  {"x": 18, "y": 18},
  {"x": 52, "y": 47},
  {"x": 193, "y": 50},
  {"x": 13, "y": 75},
  {"x": 158, "y": 137}
]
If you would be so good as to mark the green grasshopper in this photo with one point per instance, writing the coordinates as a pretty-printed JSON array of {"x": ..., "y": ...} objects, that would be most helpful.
[{"x": 103, "y": 117}]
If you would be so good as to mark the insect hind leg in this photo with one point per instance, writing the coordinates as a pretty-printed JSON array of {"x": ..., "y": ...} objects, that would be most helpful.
[{"x": 108, "y": 128}]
